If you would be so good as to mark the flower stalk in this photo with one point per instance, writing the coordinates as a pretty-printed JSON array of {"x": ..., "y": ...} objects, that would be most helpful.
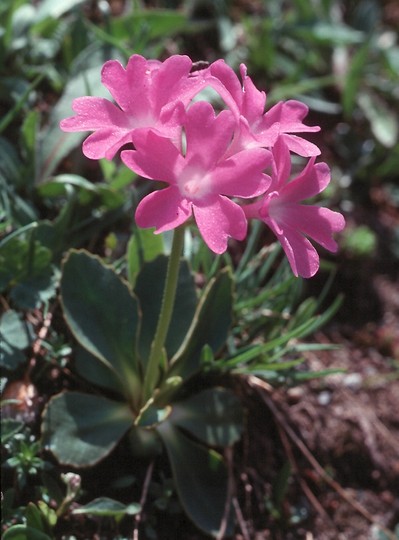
[{"x": 165, "y": 315}]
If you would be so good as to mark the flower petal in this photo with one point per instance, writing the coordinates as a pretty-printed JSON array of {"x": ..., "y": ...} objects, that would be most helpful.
[
  {"x": 317, "y": 223},
  {"x": 105, "y": 143},
  {"x": 312, "y": 180},
  {"x": 300, "y": 146},
  {"x": 282, "y": 164},
  {"x": 129, "y": 87},
  {"x": 222, "y": 78},
  {"x": 156, "y": 157},
  {"x": 171, "y": 81},
  {"x": 164, "y": 209},
  {"x": 253, "y": 100},
  {"x": 111, "y": 126},
  {"x": 283, "y": 119},
  {"x": 94, "y": 113},
  {"x": 208, "y": 136},
  {"x": 302, "y": 256},
  {"x": 219, "y": 219},
  {"x": 242, "y": 174},
  {"x": 289, "y": 114}
]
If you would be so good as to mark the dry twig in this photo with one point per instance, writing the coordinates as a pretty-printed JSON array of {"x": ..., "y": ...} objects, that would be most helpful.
[{"x": 143, "y": 499}]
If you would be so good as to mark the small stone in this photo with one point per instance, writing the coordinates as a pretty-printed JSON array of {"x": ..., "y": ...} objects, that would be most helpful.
[
  {"x": 353, "y": 381},
  {"x": 324, "y": 398}
]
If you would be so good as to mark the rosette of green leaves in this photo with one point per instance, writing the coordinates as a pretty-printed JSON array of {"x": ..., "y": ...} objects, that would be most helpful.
[{"x": 114, "y": 324}]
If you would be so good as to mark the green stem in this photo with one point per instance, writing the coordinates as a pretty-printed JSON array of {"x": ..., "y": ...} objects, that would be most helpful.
[{"x": 165, "y": 316}]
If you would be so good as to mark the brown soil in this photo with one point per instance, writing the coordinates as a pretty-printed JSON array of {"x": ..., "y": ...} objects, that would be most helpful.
[{"x": 339, "y": 434}]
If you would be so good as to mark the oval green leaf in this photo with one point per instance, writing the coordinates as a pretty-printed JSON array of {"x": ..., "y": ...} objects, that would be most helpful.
[
  {"x": 82, "y": 429},
  {"x": 98, "y": 373},
  {"x": 22, "y": 532},
  {"x": 103, "y": 315},
  {"x": 209, "y": 327},
  {"x": 201, "y": 480},
  {"x": 214, "y": 416},
  {"x": 149, "y": 290},
  {"x": 104, "y": 506}
]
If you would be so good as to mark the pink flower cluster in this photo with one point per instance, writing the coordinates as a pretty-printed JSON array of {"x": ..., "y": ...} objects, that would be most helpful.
[{"x": 214, "y": 165}]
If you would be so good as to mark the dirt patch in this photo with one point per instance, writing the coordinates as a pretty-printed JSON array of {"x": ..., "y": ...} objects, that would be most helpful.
[{"x": 339, "y": 434}]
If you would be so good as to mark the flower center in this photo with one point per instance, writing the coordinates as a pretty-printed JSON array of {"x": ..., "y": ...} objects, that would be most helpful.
[
  {"x": 194, "y": 183},
  {"x": 272, "y": 210},
  {"x": 144, "y": 119},
  {"x": 270, "y": 206}
]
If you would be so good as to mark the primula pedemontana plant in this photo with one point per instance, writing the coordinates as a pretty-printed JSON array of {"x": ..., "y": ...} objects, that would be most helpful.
[{"x": 142, "y": 339}]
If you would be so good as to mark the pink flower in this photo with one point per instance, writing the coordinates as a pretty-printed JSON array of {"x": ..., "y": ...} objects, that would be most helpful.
[
  {"x": 148, "y": 93},
  {"x": 291, "y": 221},
  {"x": 258, "y": 128},
  {"x": 202, "y": 180}
]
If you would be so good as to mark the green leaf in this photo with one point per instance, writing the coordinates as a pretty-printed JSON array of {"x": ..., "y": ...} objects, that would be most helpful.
[
  {"x": 149, "y": 290},
  {"x": 14, "y": 339},
  {"x": 10, "y": 357},
  {"x": 209, "y": 327},
  {"x": 200, "y": 477},
  {"x": 58, "y": 185},
  {"x": 10, "y": 163},
  {"x": 98, "y": 373},
  {"x": 164, "y": 395},
  {"x": 12, "y": 113},
  {"x": 65, "y": 185},
  {"x": 303, "y": 313},
  {"x": 383, "y": 121},
  {"x": 48, "y": 513},
  {"x": 26, "y": 264},
  {"x": 34, "y": 517},
  {"x": 23, "y": 532},
  {"x": 49, "y": 8},
  {"x": 104, "y": 506},
  {"x": 303, "y": 86},
  {"x": 270, "y": 292},
  {"x": 144, "y": 442},
  {"x": 353, "y": 79},
  {"x": 335, "y": 34},
  {"x": 214, "y": 416},
  {"x": 144, "y": 246},
  {"x": 14, "y": 330},
  {"x": 22, "y": 257},
  {"x": 28, "y": 131},
  {"x": 103, "y": 315},
  {"x": 150, "y": 24},
  {"x": 32, "y": 292},
  {"x": 310, "y": 375},
  {"x": 392, "y": 57},
  {"x": 82, "y": 429},
  {"x": 9, "y": 428},
  {"x": 55, "y": 144}
]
